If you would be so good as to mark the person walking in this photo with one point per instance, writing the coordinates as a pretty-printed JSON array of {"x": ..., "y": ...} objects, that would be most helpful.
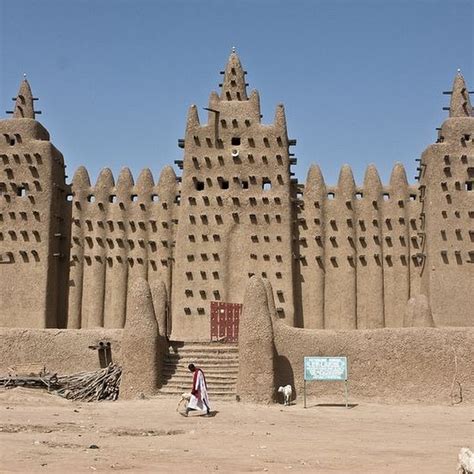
[{"x": 199, "y": 400}]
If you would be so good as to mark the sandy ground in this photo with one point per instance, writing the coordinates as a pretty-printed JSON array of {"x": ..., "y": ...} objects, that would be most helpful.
[{"x": 44, "y": 433}]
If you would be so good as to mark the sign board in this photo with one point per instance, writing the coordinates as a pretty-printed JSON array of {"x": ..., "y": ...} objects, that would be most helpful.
[{"x": 325, "y": 368}]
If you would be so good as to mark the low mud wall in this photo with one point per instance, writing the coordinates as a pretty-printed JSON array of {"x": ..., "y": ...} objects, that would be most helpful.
[
  {"x": 406, "y": 364},
  {"x": 64, "y": 351}
]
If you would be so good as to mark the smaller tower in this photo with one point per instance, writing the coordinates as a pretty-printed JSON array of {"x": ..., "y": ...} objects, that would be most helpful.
[
  {"x": 34, "y": 226},
  {"x": 447, "y": 198}
]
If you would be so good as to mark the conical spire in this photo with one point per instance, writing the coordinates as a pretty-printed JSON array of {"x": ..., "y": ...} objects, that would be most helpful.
[
  {"x": 372, "y": 183},
  {"x": 167, "y": 184},
  {"x": 233, "y": 85},
  {"x": 124, "y": 184},
  {"x": 460, "y": 104},
  {"x": 81, "y": 178},
  {"x": 280, "y": 118},
  {"x": 192, "y": 121},
  {"x": 104, "y": 184},
  {"x": 398, "y": 182},
  {"x": 315, "y": 184},
  {"x": 24, "y": 102},
  {"x": 145, "y": 181},
  {"x": 346, "y": 183}
]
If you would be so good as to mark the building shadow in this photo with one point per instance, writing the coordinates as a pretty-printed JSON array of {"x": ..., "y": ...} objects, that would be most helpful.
[{"x": 284, "y": 376}]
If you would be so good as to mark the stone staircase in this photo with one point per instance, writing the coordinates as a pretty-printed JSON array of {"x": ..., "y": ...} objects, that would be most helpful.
[{"x": 220, "y": 363}]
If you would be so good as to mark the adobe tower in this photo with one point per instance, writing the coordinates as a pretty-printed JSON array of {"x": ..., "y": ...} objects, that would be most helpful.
[
  {"x": 235, "y": 209},
  {"x": 447, "y": 214},
  {"x": 33, "y": 228}
]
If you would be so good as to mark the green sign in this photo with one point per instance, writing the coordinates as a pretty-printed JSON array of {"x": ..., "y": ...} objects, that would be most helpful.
[{"x": 325, "y": 368}]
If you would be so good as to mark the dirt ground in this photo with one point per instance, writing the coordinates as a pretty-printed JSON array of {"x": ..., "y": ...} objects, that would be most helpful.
[{"x": 40, "y": 432}]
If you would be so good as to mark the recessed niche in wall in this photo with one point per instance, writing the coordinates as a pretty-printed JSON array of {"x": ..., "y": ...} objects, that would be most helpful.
[
  {"x": 266, "y": 184},
  {"x": 223, "y": 183}
]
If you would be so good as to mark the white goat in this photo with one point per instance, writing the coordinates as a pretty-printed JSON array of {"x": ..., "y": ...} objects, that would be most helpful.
[
  {"x": 185, "y": 397},
  {"x": 466, "y": 461},
  {"x": 287, "y": 392}
]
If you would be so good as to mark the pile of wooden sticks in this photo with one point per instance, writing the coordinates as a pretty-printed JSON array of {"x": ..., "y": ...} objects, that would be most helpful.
[{"x": 102, "y": 384}]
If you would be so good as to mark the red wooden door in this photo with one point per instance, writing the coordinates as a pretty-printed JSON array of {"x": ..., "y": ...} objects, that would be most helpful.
[{"x": 225, "y": 321}]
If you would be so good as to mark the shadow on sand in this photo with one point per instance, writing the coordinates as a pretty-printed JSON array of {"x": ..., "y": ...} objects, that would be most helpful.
[{"x": 349, "y": 405}]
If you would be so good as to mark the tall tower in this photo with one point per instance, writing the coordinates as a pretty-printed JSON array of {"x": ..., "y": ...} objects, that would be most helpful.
[
  {"x": 235, "y": 211},
  {"x": 447, "y": 216},
  {"x": 33, "y": 221}
]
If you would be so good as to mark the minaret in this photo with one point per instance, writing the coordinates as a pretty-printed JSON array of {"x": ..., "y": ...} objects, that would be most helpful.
[
  {"x": 24, "y": 102},
  {"x": 447, "y": 212},
  {"x": 233, "y": 85},
  {"x": 34, "y": 222},
  {"x": 235, "y": 209},
  {"x": 460, "y": 105}
]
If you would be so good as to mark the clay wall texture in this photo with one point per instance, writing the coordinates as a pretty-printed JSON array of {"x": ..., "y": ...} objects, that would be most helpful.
[
  {"x": 390, "y": 364},
  {"x": 60, "y": 351},
  {"x": 342, "y": 256},
  {"x": 399, "y": 364}
]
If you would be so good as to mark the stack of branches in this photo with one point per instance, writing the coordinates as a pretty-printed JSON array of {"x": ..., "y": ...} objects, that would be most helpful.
[{"x": 102, "y": 384}]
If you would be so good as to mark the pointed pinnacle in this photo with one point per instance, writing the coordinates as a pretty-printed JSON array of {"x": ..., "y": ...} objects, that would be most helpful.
[
  {"x": 233, "y": 84},
  {"x": 24, "y": 101},
  {"x": 460, "y": 105}
]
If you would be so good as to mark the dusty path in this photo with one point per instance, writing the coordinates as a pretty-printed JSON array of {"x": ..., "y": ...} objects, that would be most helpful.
[{"x": 43, "y": 433}]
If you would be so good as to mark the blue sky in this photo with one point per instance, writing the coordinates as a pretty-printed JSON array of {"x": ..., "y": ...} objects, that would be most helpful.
[{"x": 361, "y": 80}]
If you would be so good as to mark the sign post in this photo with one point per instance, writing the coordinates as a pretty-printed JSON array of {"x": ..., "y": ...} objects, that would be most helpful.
[{"x": 329, "y": 369}]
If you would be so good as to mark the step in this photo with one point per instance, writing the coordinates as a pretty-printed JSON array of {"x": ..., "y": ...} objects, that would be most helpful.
[
  {"x": 215, "y": 396},
  {"x": 184, "y": 360},
  {"x": 210, "y": 383},
  {"x": 209, "y": 377},
  {"x": 204, "y": 345},
  {"x": 178, "y": 391},
  {"x": 222, "y": 375},
  {"x": 209, "y": 348},
  {"x": 201, "y": 356},
  {"x": 211, "y": 369}
]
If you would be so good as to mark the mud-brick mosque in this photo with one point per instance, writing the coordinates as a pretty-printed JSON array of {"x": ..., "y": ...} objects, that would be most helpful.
[{"x": 234, "y": 249}]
